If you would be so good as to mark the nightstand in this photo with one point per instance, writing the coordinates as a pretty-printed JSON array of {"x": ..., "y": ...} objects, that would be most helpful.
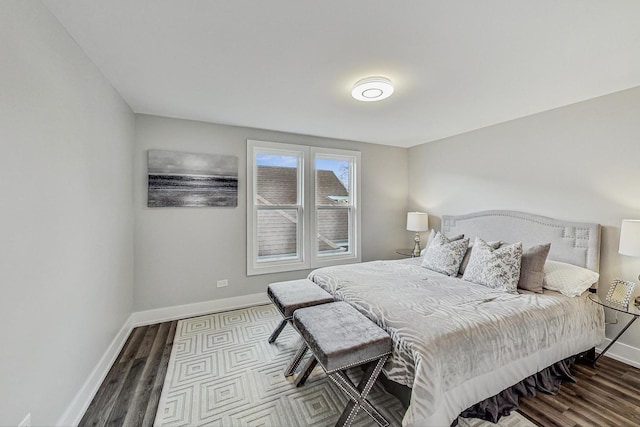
[
  {"x": 632, "y": 310},
  {"x": 405, "y": 252}
]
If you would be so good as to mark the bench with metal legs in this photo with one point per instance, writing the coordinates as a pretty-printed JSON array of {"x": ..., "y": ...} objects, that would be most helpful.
[{"x": 340, "y": 338}]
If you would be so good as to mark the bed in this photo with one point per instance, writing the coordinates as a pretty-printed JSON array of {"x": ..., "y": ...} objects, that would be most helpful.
[{"x": 457, "y": 343}]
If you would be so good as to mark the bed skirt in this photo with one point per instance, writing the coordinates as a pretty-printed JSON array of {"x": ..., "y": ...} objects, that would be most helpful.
[
  {"x": 493, "y": 408},
  {"x": 547, "y": 381}
]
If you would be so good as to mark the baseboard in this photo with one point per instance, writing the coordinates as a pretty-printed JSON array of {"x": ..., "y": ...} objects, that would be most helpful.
[
  {"x": 74, "y": 412},
  {"x": 621, "y": 352},
  {"x": 149, "y": 317},
  {"x": 82, "y": 399}
]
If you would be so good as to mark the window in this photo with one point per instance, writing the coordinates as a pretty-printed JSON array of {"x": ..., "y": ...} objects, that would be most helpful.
[{"x": 302, "y": 207}]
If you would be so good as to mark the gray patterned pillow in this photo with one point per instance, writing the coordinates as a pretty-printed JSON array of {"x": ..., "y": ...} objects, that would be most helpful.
[
  {"x": 495, "y": 268},
  {"x": 444, "y": 256},
  {"x": 467, "y": 255},
  {"x": 432, "y": 235}
]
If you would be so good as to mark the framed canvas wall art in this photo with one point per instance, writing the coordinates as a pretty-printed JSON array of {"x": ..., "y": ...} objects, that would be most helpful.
[{"x": 191, "y": 180}]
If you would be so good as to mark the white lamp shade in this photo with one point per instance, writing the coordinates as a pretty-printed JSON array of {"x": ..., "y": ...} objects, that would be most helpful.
[
  {"x": 630, "y": 237},
  {"x": 417, "y": 221}
]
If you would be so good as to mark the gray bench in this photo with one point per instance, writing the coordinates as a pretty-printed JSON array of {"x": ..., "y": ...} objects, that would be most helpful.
[
  {"x": 289, "y": 296},
  {"x": 340, "y": 337}
]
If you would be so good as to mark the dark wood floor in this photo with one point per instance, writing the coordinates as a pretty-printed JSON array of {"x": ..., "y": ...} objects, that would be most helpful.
[
  {"x": 130, "y": 393},
  {"x": 608, "y": 395}
]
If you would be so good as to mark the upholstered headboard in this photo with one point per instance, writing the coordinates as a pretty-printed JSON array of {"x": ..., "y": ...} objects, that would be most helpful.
[{"x": 571, "y": 242}]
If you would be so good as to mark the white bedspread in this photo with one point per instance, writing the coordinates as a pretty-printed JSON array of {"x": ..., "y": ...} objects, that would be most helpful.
[{"x": 457, "y": 343}]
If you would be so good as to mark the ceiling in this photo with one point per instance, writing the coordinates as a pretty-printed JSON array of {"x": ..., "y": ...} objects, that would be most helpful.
[{"x": 289, "y": 65}]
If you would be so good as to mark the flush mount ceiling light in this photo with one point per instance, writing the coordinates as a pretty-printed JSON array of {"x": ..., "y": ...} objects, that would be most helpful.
[{"x": 372, "y": 89}]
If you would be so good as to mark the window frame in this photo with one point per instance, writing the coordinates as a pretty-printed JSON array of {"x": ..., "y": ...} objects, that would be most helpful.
[
  {"x": 323, "y": 260},
  {"x": 307, "y": 227}
]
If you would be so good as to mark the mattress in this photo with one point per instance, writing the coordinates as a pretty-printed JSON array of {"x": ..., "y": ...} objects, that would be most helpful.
[{"x": 456, "y": 343}]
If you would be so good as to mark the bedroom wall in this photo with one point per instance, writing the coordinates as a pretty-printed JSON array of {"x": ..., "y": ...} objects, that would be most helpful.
[
  {"x": 66, "y": 258},
  {"x": 181, "y": 252},
  {"x": 578, "y": 162}
]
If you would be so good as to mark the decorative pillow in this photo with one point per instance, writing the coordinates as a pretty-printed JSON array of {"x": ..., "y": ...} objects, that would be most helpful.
[
  {"x": 467, "y": 255},
  {"x": 432, "y": 235},
  {"x": 444, "y": 256},
  {"x": 568, "y": 279},
  {"x": 532, "y": 267},
  {"x": 494, "y": 268}
]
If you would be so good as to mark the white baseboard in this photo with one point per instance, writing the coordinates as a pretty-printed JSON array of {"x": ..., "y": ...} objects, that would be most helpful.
[
  {"x": 82, "y": 399},
  {"x": 166, "y": 314},
  {"x": 74, "y": 412},
  {"x": 621, "y": 352}
]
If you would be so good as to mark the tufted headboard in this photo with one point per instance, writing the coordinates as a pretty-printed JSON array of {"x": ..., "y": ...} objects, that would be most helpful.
[{"x": 575, "y": 243}]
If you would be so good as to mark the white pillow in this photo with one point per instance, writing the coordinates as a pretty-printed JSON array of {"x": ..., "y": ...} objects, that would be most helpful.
[
  {"x": 432, "y": 234},
  {"x": 568, "y": 279},
  {"x": 494, "y": 268}
]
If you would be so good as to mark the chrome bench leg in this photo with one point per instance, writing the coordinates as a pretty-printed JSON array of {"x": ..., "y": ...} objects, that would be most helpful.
[
  {"x": 358, "y": 395},
  {"x": 274, "y": 334},
  {"x": 306, "y": 371},
  {"x": 296, "y": 360}
]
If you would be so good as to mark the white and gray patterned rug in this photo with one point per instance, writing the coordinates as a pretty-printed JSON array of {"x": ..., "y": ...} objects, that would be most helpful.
[{"x": 223, "y": 372}]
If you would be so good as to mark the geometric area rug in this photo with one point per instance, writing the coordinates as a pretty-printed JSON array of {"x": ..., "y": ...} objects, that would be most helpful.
[{"x": 223, "y": 372}]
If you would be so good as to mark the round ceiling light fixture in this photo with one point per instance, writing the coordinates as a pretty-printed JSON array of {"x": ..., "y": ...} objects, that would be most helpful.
[{"x": 372, "y": 89}]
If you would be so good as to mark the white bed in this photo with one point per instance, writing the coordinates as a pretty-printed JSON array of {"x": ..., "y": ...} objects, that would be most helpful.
[{"x": 457, "y": 343}]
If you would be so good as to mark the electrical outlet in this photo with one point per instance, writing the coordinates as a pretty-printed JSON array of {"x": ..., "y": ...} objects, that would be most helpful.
[
  {"x": 223, "y": 283},
  {"x": 26, "y": 422}
]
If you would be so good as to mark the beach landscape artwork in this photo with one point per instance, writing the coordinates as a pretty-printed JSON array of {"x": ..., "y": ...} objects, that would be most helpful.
[{"x": 191, "y": 180}]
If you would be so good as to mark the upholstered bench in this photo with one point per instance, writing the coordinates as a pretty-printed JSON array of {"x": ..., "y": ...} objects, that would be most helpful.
[
  {"x": 340, "y": 337},
  {"x": 292, "y": 295}
]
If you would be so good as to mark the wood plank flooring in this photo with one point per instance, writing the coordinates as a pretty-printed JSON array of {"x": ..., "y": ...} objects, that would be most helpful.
[
  {"x": 608, "y": 395},
  {"x": 130, "y": 393}
]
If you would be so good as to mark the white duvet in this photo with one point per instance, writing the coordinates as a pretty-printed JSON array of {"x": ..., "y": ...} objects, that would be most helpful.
[{"x": 457, "y": 343}]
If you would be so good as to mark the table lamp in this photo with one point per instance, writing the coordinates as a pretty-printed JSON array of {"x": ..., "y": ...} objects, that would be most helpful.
[
  {"x": 630, "y": 238},
  {"x": 418, "y": 222}
]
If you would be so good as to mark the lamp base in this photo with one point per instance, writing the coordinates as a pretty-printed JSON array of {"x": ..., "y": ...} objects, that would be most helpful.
[{"x": 416, "y": 247}]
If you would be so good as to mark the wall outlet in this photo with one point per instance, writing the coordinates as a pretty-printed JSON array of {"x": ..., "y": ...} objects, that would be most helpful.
[
  {"x": 26, "y": 422},
  {"x": 223, "y": 283}
]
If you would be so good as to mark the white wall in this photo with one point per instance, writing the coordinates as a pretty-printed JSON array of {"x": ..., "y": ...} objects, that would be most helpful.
[
  {"x": 577, "y": 163},
  {"x": 66, "y": 228},
  {"x": 180, "y": 253}
]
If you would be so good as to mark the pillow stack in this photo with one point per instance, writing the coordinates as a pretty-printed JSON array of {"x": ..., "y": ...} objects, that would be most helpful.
[{"x": 508, "y": 267}]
